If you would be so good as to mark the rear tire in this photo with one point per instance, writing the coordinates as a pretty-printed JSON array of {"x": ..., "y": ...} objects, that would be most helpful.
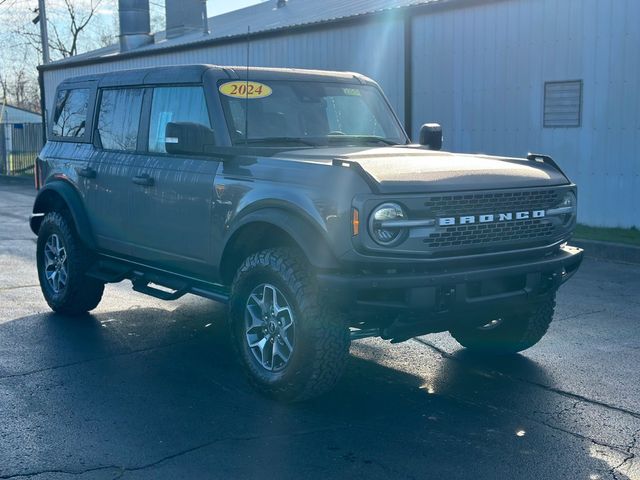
[
  {"x": 63, "y": 261},
  {"x": 292, "y": 344},
  {"x": 511, "y": 334}
]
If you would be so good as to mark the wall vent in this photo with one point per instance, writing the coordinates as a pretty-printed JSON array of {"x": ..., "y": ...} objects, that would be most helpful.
[{"x": 563, "y": 104}]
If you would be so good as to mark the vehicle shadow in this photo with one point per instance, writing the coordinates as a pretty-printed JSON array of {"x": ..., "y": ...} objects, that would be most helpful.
[{"x": 158, "y": 392}]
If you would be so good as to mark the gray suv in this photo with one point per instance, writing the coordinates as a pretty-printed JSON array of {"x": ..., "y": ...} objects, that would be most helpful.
[{"x": 296, "y": 198}]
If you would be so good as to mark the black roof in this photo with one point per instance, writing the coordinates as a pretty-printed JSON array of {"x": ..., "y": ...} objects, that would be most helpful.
[{"x": 195, "y": 74}]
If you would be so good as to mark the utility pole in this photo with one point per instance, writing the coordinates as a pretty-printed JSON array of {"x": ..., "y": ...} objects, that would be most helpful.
[{"x": 44, "y": 35}]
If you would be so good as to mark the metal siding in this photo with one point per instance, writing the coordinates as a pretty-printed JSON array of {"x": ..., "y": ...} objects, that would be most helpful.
[
  {"x": 373, "y": 49},
  {"x": 480, "y": 71}
]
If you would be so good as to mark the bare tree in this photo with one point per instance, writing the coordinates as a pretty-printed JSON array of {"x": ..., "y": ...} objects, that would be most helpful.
[
  {"x": 66, "y": 43},
  {"x": 74, "y": 26},
  {"x": 66, "y": 26}
]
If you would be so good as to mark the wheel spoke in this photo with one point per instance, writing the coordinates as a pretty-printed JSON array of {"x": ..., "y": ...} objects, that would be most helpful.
[
  {"x": 62, "y": 275},
  {"x": 287, "y": 343},
  {"x": 56, "y": 282},
  {"x": 257, "y": 321},
  {"x": 269, "y": 298},
  {"x": 48, "y": 261},
  {"x": 277, "y": 350},
  {"x": 258, "y": 342},
  {"x": 267, "y": 354},
  {"x": 56, "y": 244},
  {"x": 287, "y": 320}
]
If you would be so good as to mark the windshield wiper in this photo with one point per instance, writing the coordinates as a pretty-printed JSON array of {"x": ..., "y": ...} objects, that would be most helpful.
[
  {"x": 361, "y": 138},
  {"x": 276, "y": 140}
]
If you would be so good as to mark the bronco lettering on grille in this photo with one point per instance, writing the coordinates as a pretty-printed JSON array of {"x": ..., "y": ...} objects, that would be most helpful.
[{"x": 490, "y": 218}]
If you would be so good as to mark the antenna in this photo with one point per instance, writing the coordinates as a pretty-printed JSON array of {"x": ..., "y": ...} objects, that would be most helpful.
[{"x": 246, "y": 93}]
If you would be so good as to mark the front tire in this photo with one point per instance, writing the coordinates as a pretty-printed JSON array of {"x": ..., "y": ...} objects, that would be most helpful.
[
  {"x": 63, "y": 261},
  {"x": 511, "y": 334},
  {"x": 291, "y": 343}
]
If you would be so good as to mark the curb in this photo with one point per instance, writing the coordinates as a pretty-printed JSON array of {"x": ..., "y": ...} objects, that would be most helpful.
[
  {"x": 608, "y": 251},
  {"x": 16, "y": 180}
]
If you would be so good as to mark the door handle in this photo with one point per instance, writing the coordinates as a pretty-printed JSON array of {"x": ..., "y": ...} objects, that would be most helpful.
[
  {"x": 86, "y": 172},
  {"x": 144, "y": 180}
]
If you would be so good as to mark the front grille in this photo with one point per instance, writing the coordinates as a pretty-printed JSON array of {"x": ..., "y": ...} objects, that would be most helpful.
[
  {"x": 492, "y": 235},
  {"x": 492, "y": 202},
  {"x": 489, "y": 233}
]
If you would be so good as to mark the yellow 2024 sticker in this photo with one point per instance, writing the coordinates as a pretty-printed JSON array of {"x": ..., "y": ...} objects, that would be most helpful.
[{"x": 244, "y": 89}]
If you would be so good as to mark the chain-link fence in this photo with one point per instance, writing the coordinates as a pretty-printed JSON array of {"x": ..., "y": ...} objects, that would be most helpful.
[{"x": 20, "y": 144}]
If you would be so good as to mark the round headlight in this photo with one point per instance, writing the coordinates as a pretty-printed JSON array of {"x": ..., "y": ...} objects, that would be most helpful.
[
  {"x": 569, "y": 200},
  {"x": 385, "y": 214}
]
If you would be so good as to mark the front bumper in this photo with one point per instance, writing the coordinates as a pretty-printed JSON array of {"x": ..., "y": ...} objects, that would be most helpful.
[{"x": 493, "y": 287}]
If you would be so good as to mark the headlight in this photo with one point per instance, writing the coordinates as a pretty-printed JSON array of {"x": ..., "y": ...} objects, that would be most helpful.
[
  {"x": 569, "y": 200},
  {"x": 379, "y": 223},
  {"x": 567, "y": 208}
]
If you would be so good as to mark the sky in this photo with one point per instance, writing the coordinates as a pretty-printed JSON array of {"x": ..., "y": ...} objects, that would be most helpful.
[{"x": 218, "y": 7}]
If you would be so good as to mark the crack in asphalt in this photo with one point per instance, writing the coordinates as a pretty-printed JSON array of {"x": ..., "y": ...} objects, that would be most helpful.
[
  {"x": 575, "y": 396},
  {"x": 582, "y": 314},
  {"x": 630, "y": 456},
  {"x": 123, "y": 469},
  {"x": 18, "y": 286}
]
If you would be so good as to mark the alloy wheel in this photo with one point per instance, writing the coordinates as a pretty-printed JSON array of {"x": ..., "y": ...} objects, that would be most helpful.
[
  {"x": 56, "y": 263},
  {"x": 269, "y": 327}
]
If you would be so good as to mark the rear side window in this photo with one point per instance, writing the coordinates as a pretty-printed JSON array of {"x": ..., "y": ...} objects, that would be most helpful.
[
  {"x": 175, "y": 104},
  {"x": 70, "y": 113},
  {"x": 119, "y": 118}
]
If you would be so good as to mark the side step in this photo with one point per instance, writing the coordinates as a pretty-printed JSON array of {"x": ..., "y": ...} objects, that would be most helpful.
[
  {"x": 142, "y": 285},
  {"x": 155, "y": 282}
]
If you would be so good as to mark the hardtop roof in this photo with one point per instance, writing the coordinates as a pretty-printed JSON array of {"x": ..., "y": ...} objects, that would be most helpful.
[{"x": 195, "y": 74}]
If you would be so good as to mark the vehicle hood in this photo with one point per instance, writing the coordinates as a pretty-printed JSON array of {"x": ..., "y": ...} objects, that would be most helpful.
[{"x": 412, "y": 170}]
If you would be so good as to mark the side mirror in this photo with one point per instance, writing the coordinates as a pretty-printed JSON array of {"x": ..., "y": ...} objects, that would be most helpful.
[
  {"x": 431, "y": 136},
  {"x": 188, "y": 138}
]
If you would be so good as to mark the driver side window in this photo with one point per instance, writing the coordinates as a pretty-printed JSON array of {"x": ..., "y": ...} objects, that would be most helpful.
[{"x": 175, "y": 104}]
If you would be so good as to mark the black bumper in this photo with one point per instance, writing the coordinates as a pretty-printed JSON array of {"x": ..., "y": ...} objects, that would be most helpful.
[{"x": 497, "y": 285}]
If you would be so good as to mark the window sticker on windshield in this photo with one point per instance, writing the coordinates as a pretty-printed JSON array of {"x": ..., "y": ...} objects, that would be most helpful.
[
  {"x": 354, "y": 92},
  {"x": 244, "y": 89}
]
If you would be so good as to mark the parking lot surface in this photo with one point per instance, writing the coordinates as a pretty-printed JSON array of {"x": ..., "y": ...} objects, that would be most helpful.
[{"x": 144, "y": 389}]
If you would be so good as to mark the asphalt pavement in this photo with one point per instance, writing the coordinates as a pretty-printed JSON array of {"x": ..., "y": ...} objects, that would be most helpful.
[{"x": 145, "y": 389}]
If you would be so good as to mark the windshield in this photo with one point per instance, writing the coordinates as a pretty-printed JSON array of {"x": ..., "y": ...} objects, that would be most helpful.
[{"x": 306, "y": 113}]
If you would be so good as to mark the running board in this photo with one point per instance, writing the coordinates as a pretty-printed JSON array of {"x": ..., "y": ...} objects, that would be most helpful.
[
  {"x": 142, "y": 285},
  {"x": 155, "y": 282}
]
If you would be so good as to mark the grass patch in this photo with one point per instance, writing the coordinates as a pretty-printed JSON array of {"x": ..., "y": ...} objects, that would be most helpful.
[{"x": 629, "y": 236}]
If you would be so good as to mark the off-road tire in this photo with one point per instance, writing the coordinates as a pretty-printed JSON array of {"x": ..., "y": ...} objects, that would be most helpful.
[
  {"x": 517, "y": 332},
  {"x": 81, "y": 293},
  {"x": 321, "y": 333}
]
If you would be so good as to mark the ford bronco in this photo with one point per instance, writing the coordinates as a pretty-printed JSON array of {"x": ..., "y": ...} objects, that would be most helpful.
[{"x": 297, "y": 198}]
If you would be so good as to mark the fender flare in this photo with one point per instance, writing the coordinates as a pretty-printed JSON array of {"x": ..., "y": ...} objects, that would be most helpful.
[
  {"x": 309, "y": 237},
  {"x": 63, "y": 191}
]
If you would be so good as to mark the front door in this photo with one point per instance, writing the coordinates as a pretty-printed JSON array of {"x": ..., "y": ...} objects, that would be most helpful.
[{"x": 171, "y": 198}]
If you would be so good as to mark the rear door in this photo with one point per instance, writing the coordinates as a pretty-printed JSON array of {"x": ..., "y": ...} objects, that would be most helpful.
[
  {"x": 69, "y": 151},
  {"x": 115, "y": 150},
  {"x": 171, "y": 196}
]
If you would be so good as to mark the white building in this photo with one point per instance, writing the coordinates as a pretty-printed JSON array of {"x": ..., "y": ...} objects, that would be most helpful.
[
  {"x": 505, "y": 77},
  {"x": 20, "y": 139}
]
